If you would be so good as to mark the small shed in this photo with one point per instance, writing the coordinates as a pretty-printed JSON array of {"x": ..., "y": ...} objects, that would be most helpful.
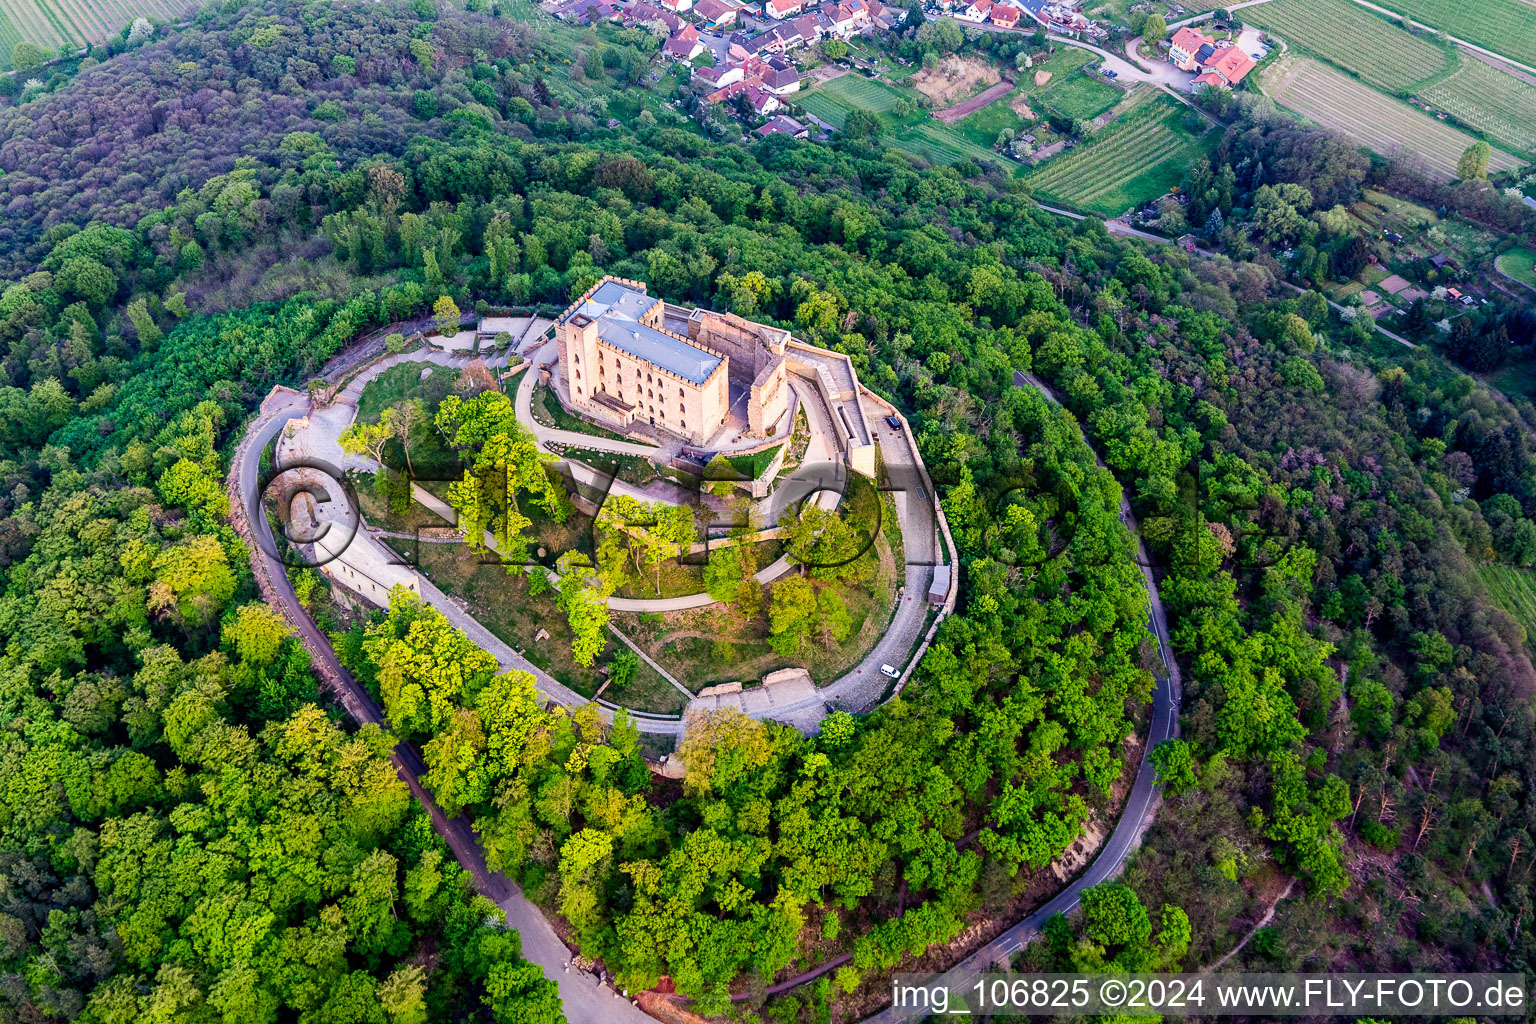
[{"x": 939, "y": 588}]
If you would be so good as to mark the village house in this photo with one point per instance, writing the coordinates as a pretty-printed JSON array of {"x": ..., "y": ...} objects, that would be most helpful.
[
  {"x": 778, "y": 39},
  {"x": 1218, "y": 65},
  {"x": 784, "y": 125},
  {"x": 641, "y": 13},
  {"x": 1226, "y": 68},
  {"x": 1005, "y": 16},
  {"x": 717, "y": 14},
  {"x": 676, "y": 6},
  {"x": 759, "y": 100},
  {"x": 781, "y": 9},
  {"x": 978, "y": 12},
  {"x": 719, "y": 76},
  {"x": 780, "y": 78},
  {"x": 1185, "y": 47},
  {"x": 684, "y": 44}
]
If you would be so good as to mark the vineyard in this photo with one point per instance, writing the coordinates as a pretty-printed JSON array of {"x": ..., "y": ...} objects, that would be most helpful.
[
  {"x": 1353, "y": 38},
  {"x": 940, "y": 146},
  {"x": 1139, "y": 158},
  {"x": 1335, "y": 100},
  {"x": 1503, "y": 26},
  {"x": 1498, "y": 105},
  {"x": 832, "y": 100},
  {"x": 51, "y": 23}
]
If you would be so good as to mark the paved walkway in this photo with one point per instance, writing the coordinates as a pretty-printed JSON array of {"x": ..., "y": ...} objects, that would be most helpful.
[
  {"x": 861, "y": 688},
  {"x": 584, "y": 999}
]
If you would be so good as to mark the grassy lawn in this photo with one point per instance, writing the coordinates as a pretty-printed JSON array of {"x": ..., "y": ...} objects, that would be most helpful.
[
  {"x": 1516, "y": 378},
  {"x": 1519, "y": 264},
  {"x": 718, "y": 644},
  {"x": 753, "y": 466},
  {"x": 983, "y": 127},
  {"x": 502, "y": 603},
  {"x": 1079, "y": 96},
  {"x": 402, "y": 382},
  {"x": 630, "y": 468},
  {"x": 548, "y": 411},
  {"x": 916, "y": 133},
  {"x": 430, "y": 458}
]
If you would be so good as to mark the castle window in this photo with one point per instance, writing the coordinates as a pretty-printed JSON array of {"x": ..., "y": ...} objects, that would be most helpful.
[
  {"x": 578, "y": 375},
  {"x": 679, "y": 392},
  {"x": 576, "y": 358},
  {"x": 680, "y": 407}
]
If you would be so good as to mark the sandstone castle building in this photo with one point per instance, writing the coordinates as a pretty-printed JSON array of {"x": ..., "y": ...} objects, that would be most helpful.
[{"x": 629, "y": 358}]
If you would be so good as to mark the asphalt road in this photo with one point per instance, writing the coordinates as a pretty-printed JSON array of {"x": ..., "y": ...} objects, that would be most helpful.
[
  {"x": 1140, "y": 804},
  {"x": 585, "y": 999}
]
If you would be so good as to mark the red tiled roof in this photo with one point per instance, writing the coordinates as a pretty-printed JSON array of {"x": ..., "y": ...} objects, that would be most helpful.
[
  {"x": 1190, "y": 38},
  {"x": 1231, "y": 63}
]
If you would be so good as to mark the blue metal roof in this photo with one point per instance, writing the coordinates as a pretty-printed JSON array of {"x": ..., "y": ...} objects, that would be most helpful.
[
  {"x": 659, "y": 349},
  {"x": 613, "y": 299}
]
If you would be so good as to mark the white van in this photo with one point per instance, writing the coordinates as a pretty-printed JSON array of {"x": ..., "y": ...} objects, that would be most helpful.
[{"x": 889, "y": 671}]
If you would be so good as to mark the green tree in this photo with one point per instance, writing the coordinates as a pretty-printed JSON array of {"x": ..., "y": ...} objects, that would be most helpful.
[
  {"x": 445, "y": 313},
  {"x": 25, "y": 56},
  {"x": 1473, "y": 165}
]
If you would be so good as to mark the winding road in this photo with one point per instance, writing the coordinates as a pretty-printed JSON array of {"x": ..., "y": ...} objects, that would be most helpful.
[
  {"x": 585, "y": 998},
  {"x": 1140, "y": 803}
]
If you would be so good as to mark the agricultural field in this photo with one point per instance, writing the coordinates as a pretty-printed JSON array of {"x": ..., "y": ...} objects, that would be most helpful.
[
  {"x": 1503, "y": 26},
  {"x": 1498, "y": 105},
  {"x": 1515, "y": 591},
  {"x": 26, "y": 20},
  {"x": 1337, "y": 101},
  {"x": 831, "y": 101},
  {"x": 1353, "y": 38},
  {"x": 1137, "y": 158},
  {"x": 521, "y": 10},
  {"x": 9, "y": 37},
  {"x": 984, "y": 125},
  {"x": 939, "y": 145},
  {"x": 1519, "y": 264},
  {"x": 916, "y": 133},
  {"x": 1079, "y": 96},
  {"x": 51, "y": 23}
]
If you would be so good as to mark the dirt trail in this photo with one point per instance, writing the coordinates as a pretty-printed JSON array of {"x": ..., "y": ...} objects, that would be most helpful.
[
  {"x": 975, "y": 103},
  {"x": 1269, "y": 915}
]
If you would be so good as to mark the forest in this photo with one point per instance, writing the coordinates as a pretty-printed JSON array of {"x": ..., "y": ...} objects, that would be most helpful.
[{"x": 193, "y": 830}]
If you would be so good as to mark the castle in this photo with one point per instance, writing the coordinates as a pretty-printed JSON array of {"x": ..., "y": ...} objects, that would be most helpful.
[{"x": 629, "y": 358}]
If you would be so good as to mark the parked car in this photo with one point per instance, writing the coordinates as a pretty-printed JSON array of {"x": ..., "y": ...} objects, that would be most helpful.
[
  {"x": 894, "y": 422},
  {"x": 889, "y": 670}
]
